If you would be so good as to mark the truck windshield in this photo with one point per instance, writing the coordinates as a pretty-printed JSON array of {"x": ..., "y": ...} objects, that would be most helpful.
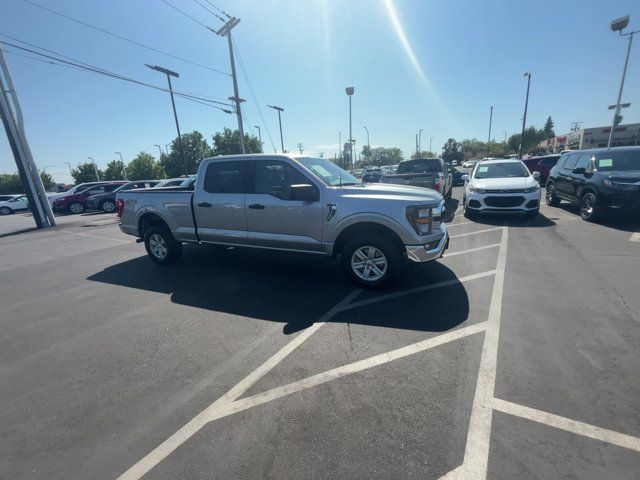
[
  {"x": 501, "y": 170},
  {"x": 427, "y": 165},
  {"x": 618, "y": 161},
  {"x": 328, "y": 172}
]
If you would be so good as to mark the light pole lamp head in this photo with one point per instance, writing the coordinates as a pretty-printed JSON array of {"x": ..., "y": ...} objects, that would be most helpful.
[
  {"x": 526, "y": 74},
  {"x": 619, "y": 23},
  {"x": 349, "y": 90},
  {"x": 162, "y": 70}
]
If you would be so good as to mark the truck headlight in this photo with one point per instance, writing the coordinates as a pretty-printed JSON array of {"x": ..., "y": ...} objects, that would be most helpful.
[
  {"x": 532, "y": 189},
  {"x": 421, "y": 219}
]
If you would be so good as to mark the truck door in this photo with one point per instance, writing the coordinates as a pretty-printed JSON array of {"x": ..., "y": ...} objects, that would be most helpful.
[
  {"x": 219, "y": 203},
  {"x": 274, "y": 218}
]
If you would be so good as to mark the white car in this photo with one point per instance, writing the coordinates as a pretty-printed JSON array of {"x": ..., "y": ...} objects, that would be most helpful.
[
  {"x": 16, "y": 204},
  {"x": 501, "y": 186}
]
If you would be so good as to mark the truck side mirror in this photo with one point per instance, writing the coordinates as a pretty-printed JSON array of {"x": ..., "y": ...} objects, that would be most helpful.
[{"x": 305, "y": 193}]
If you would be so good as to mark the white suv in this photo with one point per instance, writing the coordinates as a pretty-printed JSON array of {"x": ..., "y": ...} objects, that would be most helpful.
[{"x": 501, "y": 186}]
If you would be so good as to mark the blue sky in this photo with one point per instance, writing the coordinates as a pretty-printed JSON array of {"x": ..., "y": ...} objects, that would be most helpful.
[{"x": 435, "y": 65}]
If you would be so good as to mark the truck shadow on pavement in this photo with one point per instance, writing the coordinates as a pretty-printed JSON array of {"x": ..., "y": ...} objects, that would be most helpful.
[{"x": 294, "y": 289}]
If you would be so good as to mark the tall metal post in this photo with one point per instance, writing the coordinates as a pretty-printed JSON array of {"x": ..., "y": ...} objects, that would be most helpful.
[
  {"x": 490, "y": 120},
  {"x": 618, "y": 106},
  {"x": 95, "y": 167},
  {"x": 124, "y": 170},
  {"x": 524, "y": 118},
  {"x": 259, "y": 134},
  {"x": 349, "y": 91}
]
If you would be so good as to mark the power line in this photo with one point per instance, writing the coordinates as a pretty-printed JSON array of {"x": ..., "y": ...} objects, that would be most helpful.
[
  {"x": 210, "y": 11},
  {"x": 219, "y": 9},
  {"x": 115, "y": 35},
  {"x": 194, "y": 95},
  {"x": 186, "y": 15},
  {"x": 98, "y": 70},
  {"x": 253, "y": 94}
]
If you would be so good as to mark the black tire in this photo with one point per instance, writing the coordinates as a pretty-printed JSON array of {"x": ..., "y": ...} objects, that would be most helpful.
[
  {"x": 550, "y": 197},
  {"x": 465, "y": 211},
  {"x": 448, "y": 195},
  {"x": 589, "y": 206},
  {"x": 386, "y": 256},
  {"x": 76, "y": 208},
  {"x": 5, "y": 211},
  {"x": 158, "y": 239},
  {"x": 108, "y": 206}
]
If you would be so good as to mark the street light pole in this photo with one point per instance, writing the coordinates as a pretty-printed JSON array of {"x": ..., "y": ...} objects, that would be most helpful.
[
  {"x": 524, "y": 118},
  {"x": 124, "y": 170},
  {"x": 95, "y": 168},
  {"x": 490, "y": 120},
  {"x": 259, "y": 134},
  {"x": 279, "y": 109},
  {"x": 420, "y": 141},
  {"x": 368, "y": 143},
  {"x": 349, "y": 91},
  {"x": 617, "y": 26},
  {"x": 170, "y": 74},
  {"x": 430, "y": 151},
  {"x": 159, "y": 150},
  {"x": 70, "y": 169}
]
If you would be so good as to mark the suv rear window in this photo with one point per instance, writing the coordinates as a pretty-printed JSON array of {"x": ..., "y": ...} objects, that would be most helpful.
[
  {"x": 618, "y": 161},
  {"x": 430, "y": 165},
  {"x": 226, "y": 177}
]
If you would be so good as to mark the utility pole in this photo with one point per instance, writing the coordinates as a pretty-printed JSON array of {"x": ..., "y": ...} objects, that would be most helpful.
[
  {"x": 170, "y": 74},
  {"x": 524, "y": 118},
  {"x": 95, "y": 167},
  {"x": 430, "y": 151},
  {"x": 368, "y": 143},
  {"x": 340, "y": 147},
  {"x": 70, "y": 169},
  {"x": 279, "y": 109},
  {"x": 259, "y": 134},
  {"x": 124, "y": 170},
  {"x": 420, "y": 141},
  {"x": 12, "y": 119},
  {"x": 490, "y": 121},
  {"x": 225, "y": 31},
  {"x": 417, "y": 147},
  {"x": 349, "y": 91},
  {"x": 617, "y": 26},
  {"x": 575, "y": 126},
  {"x": 300, "y": 148}
]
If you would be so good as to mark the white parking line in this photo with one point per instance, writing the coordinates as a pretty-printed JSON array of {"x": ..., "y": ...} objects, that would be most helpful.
[
  {"x": 635, "y": 237},
  {"x": 449, "y": 225},
  {"x": 100, "y": 237},
  {"x": 474, "y": 233},
  {"x": 573, "y": 426},
  {"x": 461, "y": 252},
  {"x": 476, "y": 455},
  {"x": 195, "y": 424}
]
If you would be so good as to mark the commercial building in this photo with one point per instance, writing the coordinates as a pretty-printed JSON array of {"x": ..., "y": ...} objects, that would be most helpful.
[{"x": 594, "y": 138}]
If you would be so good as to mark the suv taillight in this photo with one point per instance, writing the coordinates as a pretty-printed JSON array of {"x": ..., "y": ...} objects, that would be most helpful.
[{"x": 120, "y": 207}]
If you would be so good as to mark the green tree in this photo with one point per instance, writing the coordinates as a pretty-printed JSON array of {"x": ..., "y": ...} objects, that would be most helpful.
[
  {"x": 532, "y": 137},
  {"x": 548, "y": 129},
  {"x": 85, "y": 172},
  {"x": 195, "y": 149},
  {"x": 451, "y": 151},
  {"x": 114, "y": 171},
  {"x": 10, "y": 183},
  {"x": 385, "y": 156},
  {"x": 227, "y": 142},
  {"x": 144, "y": 167},
  {"x": 472, "y": 147},
  {"x": 47, "y": 180},
  {"x": 423, "y": 154}
]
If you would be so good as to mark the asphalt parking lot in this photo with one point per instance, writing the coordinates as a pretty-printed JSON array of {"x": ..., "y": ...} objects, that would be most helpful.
[{"x": 515, "y": 356}]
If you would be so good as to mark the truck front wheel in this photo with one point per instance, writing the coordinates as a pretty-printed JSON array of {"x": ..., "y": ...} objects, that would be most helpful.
[
  {"x": 371, "y": 262},
  {"x": 161, "y": 246}
]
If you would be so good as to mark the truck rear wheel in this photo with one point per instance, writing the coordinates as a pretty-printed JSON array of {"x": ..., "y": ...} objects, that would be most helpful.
[
  {"x": 161, "y": 246},
  {"x": 371, "y": 262}
]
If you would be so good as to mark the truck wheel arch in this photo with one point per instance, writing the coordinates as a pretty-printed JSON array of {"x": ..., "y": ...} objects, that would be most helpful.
[
  {"x": 370, "y": 228},
  {"x": 150, "y": 219}
]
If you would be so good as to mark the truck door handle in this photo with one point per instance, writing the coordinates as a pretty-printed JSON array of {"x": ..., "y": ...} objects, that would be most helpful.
[
  {"x": 204, "y": 204},
  {"x": 256, "y": 206}
]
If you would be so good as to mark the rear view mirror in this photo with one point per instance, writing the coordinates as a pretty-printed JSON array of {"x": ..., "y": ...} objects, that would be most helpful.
[
  {"x": 305, "y": 193},
  {"x": 579, "y": 170},
  {"x": 465, "y": 177},
  {"x": 536, "y": 176}
]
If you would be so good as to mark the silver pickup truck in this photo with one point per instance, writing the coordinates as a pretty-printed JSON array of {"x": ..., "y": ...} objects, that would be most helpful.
[{"x": 291, "y": 203}]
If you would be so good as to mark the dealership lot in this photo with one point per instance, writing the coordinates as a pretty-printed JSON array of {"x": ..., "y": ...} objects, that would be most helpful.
[{"x": 515, "y": 356}]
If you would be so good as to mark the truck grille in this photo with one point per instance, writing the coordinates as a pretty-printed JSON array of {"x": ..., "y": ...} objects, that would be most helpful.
[
  {"x": 504, "y": 201},
  {"x": 517, "y": 190}
]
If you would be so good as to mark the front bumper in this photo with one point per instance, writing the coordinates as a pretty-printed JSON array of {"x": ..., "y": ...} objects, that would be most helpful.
[
  {"x": 428, "y": 251},
  {"x": 503, "y": 202}
]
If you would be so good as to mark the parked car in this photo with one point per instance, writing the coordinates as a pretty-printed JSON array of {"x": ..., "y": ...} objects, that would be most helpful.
[
  {"x": 431, "y": 173},
  {"x": 501, "y": 186},
  {"x": 291, "y": 203},
  {"x": 597, "y": 180},
  {"x": 542, "y": 164},
  {"x": 6, "y": 198},
  {"x": 73, "y": 190},
  {"x": 77, "y": 202},
  {"x": 470, "y": 164},
  {"x": 372, "y": 175},
  {"x": 106, "y": 201},
  {"x": 15, "y": 204}
]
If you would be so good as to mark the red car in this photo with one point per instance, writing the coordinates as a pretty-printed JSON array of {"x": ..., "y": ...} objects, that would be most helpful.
[
  {"x": 77, "y": 202},
  {"x": 542, "y": 164}
]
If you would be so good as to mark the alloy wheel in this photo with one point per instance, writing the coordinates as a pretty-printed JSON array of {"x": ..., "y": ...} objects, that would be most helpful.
[
  {"x": 158, "y": 246},
  {"x": 369, "y": 263}
]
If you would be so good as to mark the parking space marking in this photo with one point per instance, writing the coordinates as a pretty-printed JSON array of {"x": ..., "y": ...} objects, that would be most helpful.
[
  {"x": 446, "y": 283},
  {"x": 449, "y": 225},
  {"x": 461, "y": 252},
  {"x": 100, "y": 237},
  {"x": 635, "y": 237},
  {"x": 474, "y": 233},
  {"x": 158, "y": 454},
  {"x": 573, "y": 426},
  {"x": 476, "y": 455}
]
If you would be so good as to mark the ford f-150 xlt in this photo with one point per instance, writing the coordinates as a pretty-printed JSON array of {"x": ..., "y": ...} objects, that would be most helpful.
[{"x": 291, "y": 203}]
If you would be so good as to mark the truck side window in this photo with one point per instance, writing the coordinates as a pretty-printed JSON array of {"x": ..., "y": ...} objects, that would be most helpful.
[
  {"x": 225, "y": 177},
  {"x": 275, "y": 178}
]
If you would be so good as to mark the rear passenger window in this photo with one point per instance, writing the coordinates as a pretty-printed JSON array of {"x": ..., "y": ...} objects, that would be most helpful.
[
  {"x": 225, "y": 177},
  {"x": 571, "y": 162}
]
